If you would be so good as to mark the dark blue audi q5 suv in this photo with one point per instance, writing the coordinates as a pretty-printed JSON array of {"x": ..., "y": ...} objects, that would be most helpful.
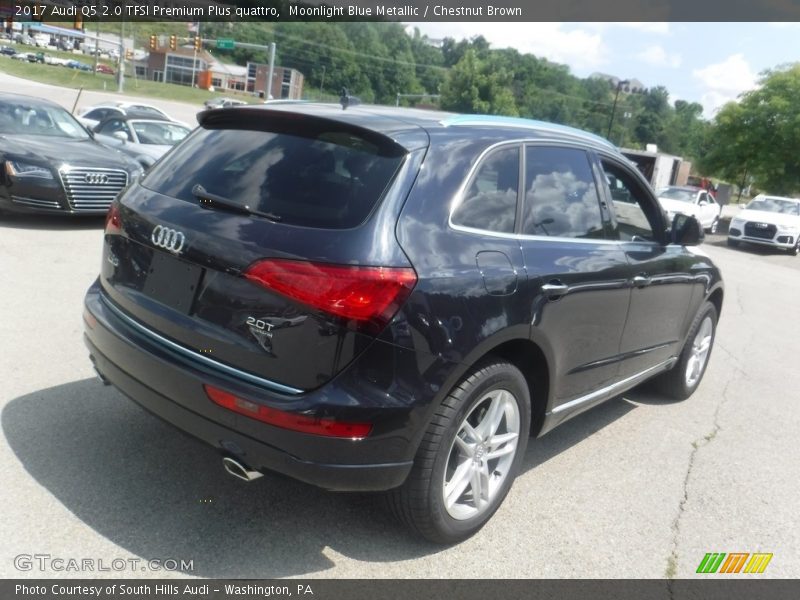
[{"x": 393, "y": 300}]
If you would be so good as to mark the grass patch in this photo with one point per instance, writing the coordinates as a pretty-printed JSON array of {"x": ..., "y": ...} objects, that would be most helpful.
[{"x": 73, "y": 78}]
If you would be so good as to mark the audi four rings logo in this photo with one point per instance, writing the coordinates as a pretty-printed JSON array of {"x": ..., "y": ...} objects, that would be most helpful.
[
  {"x": 96, "y": 178},
  {"x": 168, "y": 239}
]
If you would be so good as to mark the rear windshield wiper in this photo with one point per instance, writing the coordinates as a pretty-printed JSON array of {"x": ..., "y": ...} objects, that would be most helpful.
[{"x": 209, "y": 200}]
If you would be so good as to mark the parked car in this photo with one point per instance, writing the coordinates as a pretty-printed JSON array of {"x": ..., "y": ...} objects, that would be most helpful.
[
  {"x": 22, "y": 56},
  {"x": 92, "y": 115},
  {"x": 223, "y": 103},
  {"x": 103, "y": 68},
  {"x": 50, "y": 164},
  {"x": 7, "y": 50},
  {"x": 290, "y": 285},
  {"x": 768, "y": 221},
  {"x": 146, "y": 140},
  {"x": 75, "y": 64},
  {"x": 693, "y": 201},
  {"x": 27, "y": 40}
]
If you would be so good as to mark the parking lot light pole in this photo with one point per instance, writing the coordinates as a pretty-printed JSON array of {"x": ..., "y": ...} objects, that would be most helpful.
[{"x": 614, "y": 108}]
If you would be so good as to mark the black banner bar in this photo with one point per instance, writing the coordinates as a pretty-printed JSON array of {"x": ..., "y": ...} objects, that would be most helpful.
[
  {"x": 712, "y": 588},
  {"x": 402, "y": 10}
]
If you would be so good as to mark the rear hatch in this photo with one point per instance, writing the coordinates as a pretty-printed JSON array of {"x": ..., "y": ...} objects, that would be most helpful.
[{"x": 265, "y": 241}]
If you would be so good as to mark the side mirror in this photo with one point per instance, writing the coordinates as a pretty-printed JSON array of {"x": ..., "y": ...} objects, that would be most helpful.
[
  {"x": 120, "y": 135},
  {"x": 703, "y": 202},
  {"x": 686, "y": 231}
]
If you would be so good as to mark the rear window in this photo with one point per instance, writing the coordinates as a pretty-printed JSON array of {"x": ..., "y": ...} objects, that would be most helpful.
[{"x": 325, "y": 178}]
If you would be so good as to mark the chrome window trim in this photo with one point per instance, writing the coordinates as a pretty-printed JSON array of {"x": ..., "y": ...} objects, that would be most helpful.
[
  {"x": 458, "y": 198},
  {"x": 227, "y": 369}
]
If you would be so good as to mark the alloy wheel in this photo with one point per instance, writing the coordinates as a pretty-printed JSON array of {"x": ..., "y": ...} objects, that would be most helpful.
[
  {"x": 701, "y": 345},
  {"x": 481, "y": 455}
]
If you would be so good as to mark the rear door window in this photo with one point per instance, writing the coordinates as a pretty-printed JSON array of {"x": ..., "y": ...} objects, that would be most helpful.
[
  {"x": 315, "y": 177},
  {"x": 561, "y": 197}
]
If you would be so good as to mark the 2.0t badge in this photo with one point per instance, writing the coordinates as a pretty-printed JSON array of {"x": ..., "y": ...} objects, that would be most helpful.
[{"x": 168, "y": 239}]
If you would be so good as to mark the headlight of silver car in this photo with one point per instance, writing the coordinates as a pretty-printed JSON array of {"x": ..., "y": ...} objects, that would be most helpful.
[{"x": 23, "y": 170}]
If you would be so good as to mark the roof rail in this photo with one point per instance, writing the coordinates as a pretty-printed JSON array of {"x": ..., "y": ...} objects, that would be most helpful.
[{"x": 474, "y": 120}]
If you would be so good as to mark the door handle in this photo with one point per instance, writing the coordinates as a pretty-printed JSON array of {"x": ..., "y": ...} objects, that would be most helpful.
[
  {"x": 641, "y": 281},
  {"x": 554, "y": 288}
]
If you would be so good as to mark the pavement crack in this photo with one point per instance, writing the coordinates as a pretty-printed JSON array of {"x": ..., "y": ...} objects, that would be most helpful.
[
  {"x": 739, "y": 368},
  {"x": 738, "y": 297},
  {"x": 671, "y": 570}
]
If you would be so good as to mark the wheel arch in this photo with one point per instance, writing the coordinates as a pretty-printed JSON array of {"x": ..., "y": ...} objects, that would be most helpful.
[
  {"x": 716, "y": 297},
  {"x": 529, "y": 358},
  {"x": 522, "y": 352}
]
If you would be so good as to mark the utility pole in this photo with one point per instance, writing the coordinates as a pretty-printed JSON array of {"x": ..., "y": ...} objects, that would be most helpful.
[
  {"x": 194, "y": 60},
  {"x": 271, "y": 71},
  {"x": 614, "y": 108},
  {"x": 97, "y": 48},
  {"x": 121, "y": 58}
]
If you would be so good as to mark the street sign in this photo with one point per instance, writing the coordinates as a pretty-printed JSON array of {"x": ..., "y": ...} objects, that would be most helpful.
[{"x": 225, "y": 44}]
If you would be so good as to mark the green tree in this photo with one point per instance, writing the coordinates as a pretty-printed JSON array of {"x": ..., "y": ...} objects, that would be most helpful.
[
  {"x": 476, "y": 86},
  {"x": 760, "y": 135}
]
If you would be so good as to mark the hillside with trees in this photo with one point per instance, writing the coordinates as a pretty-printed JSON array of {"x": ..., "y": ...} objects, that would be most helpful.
[
  {"x": 376, "y": 61},
  {"x": 753, "y": 141}
]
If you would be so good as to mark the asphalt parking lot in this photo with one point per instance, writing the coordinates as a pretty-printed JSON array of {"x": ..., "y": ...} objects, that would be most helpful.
[{"x": 637, "y": 487}]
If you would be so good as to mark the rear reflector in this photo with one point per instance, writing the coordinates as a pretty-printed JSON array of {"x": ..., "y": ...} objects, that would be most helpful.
[
  {"x": 370, "y": 296},
  {"x": 89, "y": 319},
  {"x": 287, "y": 420},
  {"x": 113, "y": 224}
]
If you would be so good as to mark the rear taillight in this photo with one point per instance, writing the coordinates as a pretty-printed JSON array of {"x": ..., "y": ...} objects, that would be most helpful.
[
  {"x": 287, "y": 420},
  {"x": 113, "y": 224},
  {"x": 368, "y": 296}
]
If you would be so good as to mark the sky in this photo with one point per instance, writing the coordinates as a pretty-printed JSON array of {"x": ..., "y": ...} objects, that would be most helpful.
[{"x": 709, "y": 63}]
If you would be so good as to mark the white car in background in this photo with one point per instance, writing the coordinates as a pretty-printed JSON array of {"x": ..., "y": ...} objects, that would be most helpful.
[
  {"x": 693, "y": 201},
  {"x": 223, "y": 103},
  {"x": 146, "y": 140},
  {"x": 769, "y": 221},
  {"x": 92, "y": 115}
]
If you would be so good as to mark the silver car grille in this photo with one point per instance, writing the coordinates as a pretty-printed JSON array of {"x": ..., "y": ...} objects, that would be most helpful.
[{"x": 92, "y": 189}]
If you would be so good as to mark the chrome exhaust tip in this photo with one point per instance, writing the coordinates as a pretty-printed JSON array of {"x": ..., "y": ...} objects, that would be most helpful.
[{"x": 237, "y": 469}]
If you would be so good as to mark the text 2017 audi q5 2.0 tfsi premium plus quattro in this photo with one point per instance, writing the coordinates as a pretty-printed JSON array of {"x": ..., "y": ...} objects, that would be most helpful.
[{"x": 393, "y": 300}]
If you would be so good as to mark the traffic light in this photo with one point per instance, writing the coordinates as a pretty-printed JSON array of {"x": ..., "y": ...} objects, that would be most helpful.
[
  {"x": 37, "y": 14},
  {"x": 198, "y": 43},
  {"x": 77, "y": 23},
  {"x": 153, "y": 42},
  {"x": 173, "y": 42},
  {"x": 9, "y": 24},
  {"x": 129, "y": 54}
]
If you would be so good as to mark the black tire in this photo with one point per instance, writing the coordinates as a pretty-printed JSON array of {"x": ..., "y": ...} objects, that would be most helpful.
[
  {"x": 796, "y": 250},
  {"x": 674, "y": 382},
  {"x": 714, "y": 227},
  {"x": 419, "y": 502},
  {"x": 733, "y": 243}
]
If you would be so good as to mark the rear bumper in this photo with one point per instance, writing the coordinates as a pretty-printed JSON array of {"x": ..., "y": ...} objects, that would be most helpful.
[{"x": 173, "y": 390}]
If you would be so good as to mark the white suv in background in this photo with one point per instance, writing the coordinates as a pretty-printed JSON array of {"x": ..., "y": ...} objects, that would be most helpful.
[
  {"x": 692, "y": 201},
  {"x": 769, "y": 221}
]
